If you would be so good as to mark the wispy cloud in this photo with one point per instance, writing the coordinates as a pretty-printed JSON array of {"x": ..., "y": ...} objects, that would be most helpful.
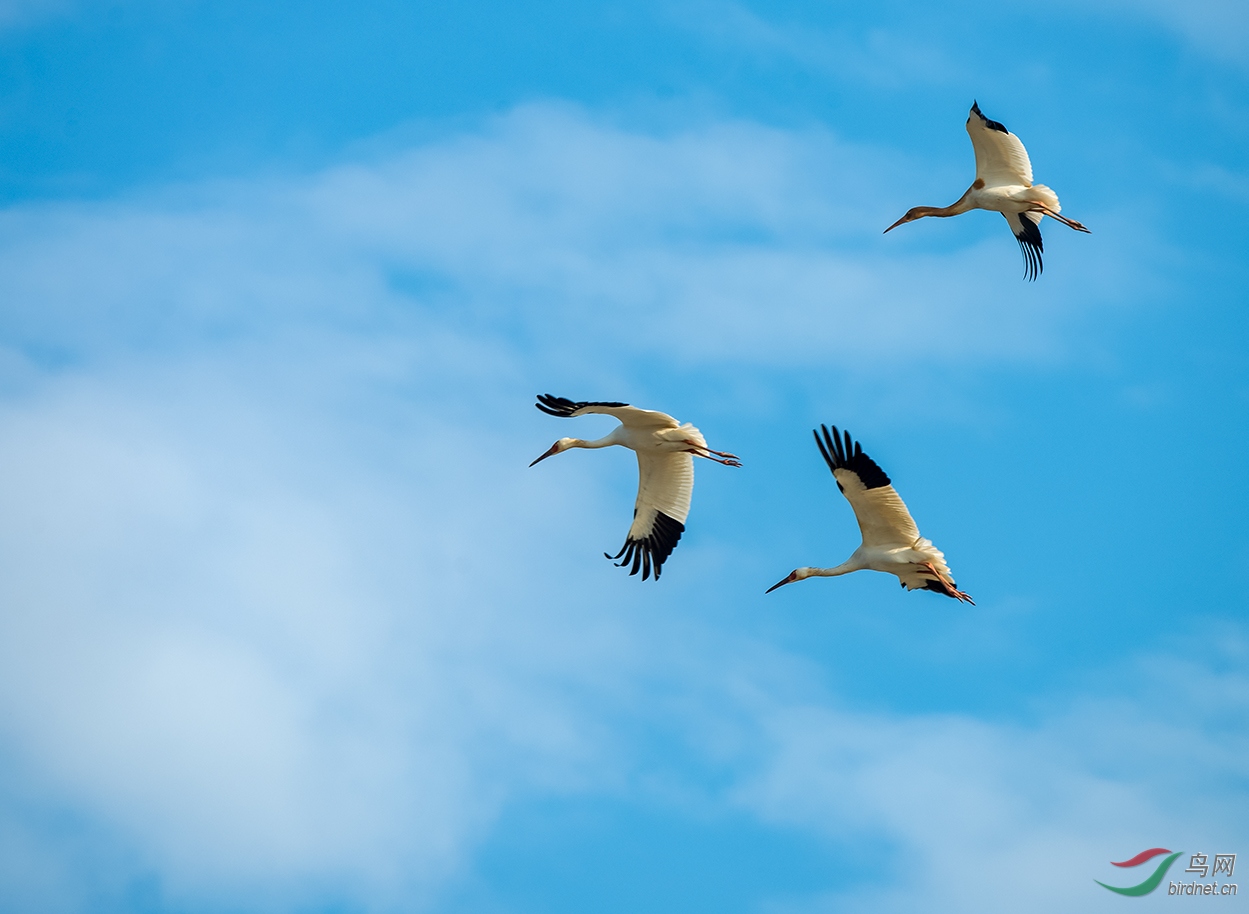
[
  {"x": 877, "y": 56},
  {"x": 17, "y": 13},
  {"x": 728, "y": 241},
  {"x": 1218, "y": 27},
  {"x": 266, "y": 660},
  {"x": 977, "y": 812},
  {"x": 886, "y": 58},
  {"x": 286, "y": 619}
]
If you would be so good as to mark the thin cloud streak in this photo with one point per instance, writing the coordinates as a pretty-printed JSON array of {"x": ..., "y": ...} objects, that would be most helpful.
[
  {"x": 980, "y": 812},
  {"x": 571, "y": 232},
  {"x": 882, "y": 59},
  {"x": 877, "y": 58}
]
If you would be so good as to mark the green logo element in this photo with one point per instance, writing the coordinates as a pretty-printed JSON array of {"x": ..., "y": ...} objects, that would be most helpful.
[{"x": 1149, "y": 884}]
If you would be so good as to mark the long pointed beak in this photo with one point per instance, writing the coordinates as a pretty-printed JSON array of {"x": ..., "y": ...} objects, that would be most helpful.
[
  {"x": 894, "y": 226},
  {"x": 788, "y": 580},
  {"x": 554, "y": 450}
]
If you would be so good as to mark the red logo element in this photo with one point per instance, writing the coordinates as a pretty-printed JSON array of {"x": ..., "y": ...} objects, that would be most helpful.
[{"x": 1142, "y": 857}]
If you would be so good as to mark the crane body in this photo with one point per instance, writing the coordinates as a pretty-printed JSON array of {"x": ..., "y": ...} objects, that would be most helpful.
[
  {"x": 665, "y": 451},
  {"x": 1003, "y": 185},
  {"x": 891, "y": 540}
]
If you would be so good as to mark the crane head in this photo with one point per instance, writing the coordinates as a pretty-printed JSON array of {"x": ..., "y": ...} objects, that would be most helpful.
[
  {"x": 562, "y": 445},
  {"x": 915, "y": 212},
  {"x": 797, "y": 574}
]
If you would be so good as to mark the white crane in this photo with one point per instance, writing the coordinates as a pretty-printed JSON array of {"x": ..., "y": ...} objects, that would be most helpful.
[
  {"x": 1004, "y": 185},
  {"x": 665, "y": 474},
  {"x": 891, "y": 541}
]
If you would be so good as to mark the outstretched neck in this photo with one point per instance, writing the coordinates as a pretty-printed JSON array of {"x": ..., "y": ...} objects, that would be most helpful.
[
  {"x": 606, "y": 441},
  {"x": 962, "y": 205},
  {"x": 843, "y": 568},
  {"x": 849, "y": 565}
]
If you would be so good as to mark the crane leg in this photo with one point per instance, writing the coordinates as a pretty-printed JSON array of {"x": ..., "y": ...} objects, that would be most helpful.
[
  {"x": 1070, "y": 223},
  {"x": 703, "y": 447},
  {"x": 950, "y": 589},
  {"x": 728, "y": 463},
  {"x": 701, "y": 450}
]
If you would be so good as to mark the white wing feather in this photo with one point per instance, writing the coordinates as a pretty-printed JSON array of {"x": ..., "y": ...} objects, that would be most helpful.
[
  {"x": 665, "y": 483},
  {"x": 631, "y": 416},
  {"x": 1001, "y": 159},
  {"x": 881, "y": 513}
]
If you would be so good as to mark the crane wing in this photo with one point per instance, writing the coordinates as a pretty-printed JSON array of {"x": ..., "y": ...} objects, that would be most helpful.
[
  {"x": 665, "y": 486},
  {"x": 628, "y": 415},
  {"x": 1027, "y": 230},
  {"x": 882, "y": 515},
  {"x": 1000, "y": 156}
]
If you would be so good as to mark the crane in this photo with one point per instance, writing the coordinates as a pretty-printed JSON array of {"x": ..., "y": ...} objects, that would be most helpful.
[
  {"x": 665, "y": 450},
  {"x": 891, "y": 541},
  {"x": 1004, "y": 185}
]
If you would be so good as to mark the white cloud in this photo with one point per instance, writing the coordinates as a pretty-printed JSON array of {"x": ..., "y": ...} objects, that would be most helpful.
[
  {"x": 270, "y": 667},
  {"x": 980, "y": 814},
  {"x": 284, "y": 615},
  {"x": 726, "y": 243}
]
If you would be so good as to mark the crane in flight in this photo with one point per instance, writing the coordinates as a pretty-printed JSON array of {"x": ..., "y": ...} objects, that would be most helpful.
[
  {"x": 666, "y": 450},
  {"x": 891, "y": 541},
  {"x": 1004, "y": 185}
]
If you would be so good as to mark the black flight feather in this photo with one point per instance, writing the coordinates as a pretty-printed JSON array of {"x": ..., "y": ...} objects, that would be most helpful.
[
  {"x": 1029, "y": 238},
  {"x": 938, "y": 587},
  {"x": 992, "y": 125},
  {"x": 564, "y": 408},
  {"x": 651, "y": 551},
  {"x": 848, "y": 455}
]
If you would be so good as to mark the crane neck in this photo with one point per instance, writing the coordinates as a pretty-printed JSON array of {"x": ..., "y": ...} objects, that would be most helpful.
[
  {"x": 605, "y": 441},
  {"x": 851, "y": 564},
  {"x": 962, "y": 205}
]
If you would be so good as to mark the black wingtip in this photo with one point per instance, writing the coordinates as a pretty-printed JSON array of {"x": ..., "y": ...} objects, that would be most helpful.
[
  {"x": 649, "y": 553},
  {"x": 1032, "y": 246},
  {"x": 557, "y": 406},
  {"x": 565, "y": 408},
  {"x": 841, "y": 452},
  {"x": 991, "y": 124}
]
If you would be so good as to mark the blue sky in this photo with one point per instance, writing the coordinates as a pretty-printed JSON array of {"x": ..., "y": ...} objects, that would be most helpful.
[{"x": 288, "y": 624}]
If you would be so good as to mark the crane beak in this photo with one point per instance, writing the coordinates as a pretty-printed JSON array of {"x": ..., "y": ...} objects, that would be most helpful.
[
  {"x": 905, "y": 218},
  {"x": 554, "y": 450},
  {"x": 793, "y": 576}
]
